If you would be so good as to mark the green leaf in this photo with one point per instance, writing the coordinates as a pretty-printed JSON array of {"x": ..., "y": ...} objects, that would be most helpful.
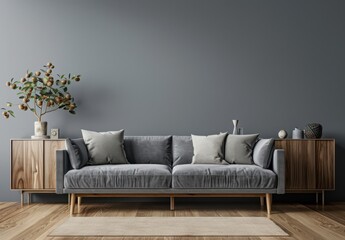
[
  {"x": 12, "y": 113},
  {"x": 9, "y": 104},
  {"x": 21, "y": 97},
  {"x": 11, "y": 79},
  {"x": 69, "y": 75},
  {"x": 71, "y": 111},
  {"x": 65, "y": 89}
]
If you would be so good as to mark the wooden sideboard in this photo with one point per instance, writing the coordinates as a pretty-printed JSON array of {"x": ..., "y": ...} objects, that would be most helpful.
[
  {"x": 33, "y": 168},
  {"x": 310, "y": 165}
]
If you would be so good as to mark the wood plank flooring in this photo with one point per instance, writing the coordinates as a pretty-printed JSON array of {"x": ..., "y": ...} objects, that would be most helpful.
[{"x": 300, "y": 221}]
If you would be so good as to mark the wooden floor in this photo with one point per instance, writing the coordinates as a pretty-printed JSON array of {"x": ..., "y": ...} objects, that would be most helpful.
[{"x": 36, "y": 221}]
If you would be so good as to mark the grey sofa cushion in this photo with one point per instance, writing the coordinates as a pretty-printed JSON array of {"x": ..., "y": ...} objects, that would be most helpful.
[
  {"x": 120, "y": 176},
  {"x": 149, "y": 149},
  {"x": 233, "y": 176},
  {"x": 105, "y": 147},
  {"x": 262, "y": 153},
  {"x": 239, "y": 148},
  {"x": 182, "y": 150},
  {"x": 77, "y": 152},
  {"x": 208, "y": 149}
]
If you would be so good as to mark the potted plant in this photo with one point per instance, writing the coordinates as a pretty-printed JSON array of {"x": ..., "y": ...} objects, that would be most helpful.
[{"x": 41, "y": 93}]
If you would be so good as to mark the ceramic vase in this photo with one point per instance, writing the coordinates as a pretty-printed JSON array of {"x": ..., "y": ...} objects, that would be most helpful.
[
  {"x": 235, "y": 131},
  {"x": 40, "y": 130},
  {"x": 297, "y": 134}
]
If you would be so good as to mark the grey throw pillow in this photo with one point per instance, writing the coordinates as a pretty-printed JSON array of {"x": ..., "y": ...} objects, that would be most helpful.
[
  {"x": 262, "y": 153},
  {"x": 208, "y": 149},
  {"x": 105, "y": 147},
  {"x": 77, "y": 152},
  {"x": 239, "y": 148}
]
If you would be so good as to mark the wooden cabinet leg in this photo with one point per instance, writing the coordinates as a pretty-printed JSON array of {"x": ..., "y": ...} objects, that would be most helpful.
[
  {"x": 29, "y": 198},
  {"x": 323, "y": 198},
  {"x": 72, "y": 204},
  {"x": 317, "y": 198},
  {"x": 262, "y": 201},
  {"x": 172, "y": 203},
  {"x": 269, "y": 203},
  {"x": 69, "y": 200},
  {"x": 79, "y": 203},
  {"x": 21, "y": 198}
]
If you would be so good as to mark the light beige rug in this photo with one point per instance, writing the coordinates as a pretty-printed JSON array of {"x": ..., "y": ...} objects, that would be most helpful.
[{"x": 168, "y": 226}]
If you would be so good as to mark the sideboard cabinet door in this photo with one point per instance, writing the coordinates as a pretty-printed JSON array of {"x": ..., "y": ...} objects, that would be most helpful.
[
  {"x": 310, "y": 164},
  {"x": 26, "y": 164},
  {"x": 50, "y": 148}
]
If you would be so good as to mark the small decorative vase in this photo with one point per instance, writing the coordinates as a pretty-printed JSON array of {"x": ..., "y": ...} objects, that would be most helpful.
[
  {"x": 297, "y": 134},
  {"x": 313, "y": 130},
  {"x": 40, "y": 130},
  {"x": 235, "y": 131}
]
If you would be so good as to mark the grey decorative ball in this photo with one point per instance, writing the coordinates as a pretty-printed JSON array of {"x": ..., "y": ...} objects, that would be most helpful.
[
  {"x": 282, "y": 134},
  {"x": 313, "y": 130}
]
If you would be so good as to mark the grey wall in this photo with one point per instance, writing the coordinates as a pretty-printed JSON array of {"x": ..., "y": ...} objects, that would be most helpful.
[{"x": 156, "y": 67}]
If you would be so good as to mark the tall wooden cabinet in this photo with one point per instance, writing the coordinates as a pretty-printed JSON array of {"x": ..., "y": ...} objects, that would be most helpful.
[
  {"x": 310, "y": 165},
  {"x": 33, "y": 168}
]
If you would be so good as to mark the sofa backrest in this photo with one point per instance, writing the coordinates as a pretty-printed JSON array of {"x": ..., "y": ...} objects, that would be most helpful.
[
  {"x": 182, "y": 148},
  {"x": 149, "y": 149}
]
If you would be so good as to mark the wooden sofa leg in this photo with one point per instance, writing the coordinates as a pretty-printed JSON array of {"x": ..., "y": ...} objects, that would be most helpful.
[
  {"x": 79, "y": 203},
  {"x": 72, "y": 204},
  {"x": 269, "y": 203},
  {"x": 262, "y": 201},
  {"x": 172, "y": 203}
]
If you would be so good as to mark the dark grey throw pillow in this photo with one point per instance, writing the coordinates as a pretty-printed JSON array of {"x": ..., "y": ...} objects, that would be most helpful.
[
  {"x": 263, "y": 151},
  {"x": 77, "y": 152},
  {"x": 182, "y": 150},
  {"x": 239, "y": 148},
  {"x": 208, "y": 149},
  {"x": 105, "y": 147}
]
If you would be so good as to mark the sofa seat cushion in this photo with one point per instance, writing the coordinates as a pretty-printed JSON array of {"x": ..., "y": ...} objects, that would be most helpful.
[
  {"x": 233, "y": 176},
  {"x": 119, "y": 176}
]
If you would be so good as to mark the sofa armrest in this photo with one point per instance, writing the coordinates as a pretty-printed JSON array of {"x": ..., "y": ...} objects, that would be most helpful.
[
  {"x": 279, "y": 169},
  {"x": 62, "y": 166}
]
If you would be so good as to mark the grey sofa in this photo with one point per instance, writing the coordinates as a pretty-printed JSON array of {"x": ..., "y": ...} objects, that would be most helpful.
[{"x": 161, "y": 167}]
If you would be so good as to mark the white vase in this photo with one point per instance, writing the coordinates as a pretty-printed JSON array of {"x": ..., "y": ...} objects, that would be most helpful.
[
  {"x": 235, "y": 131},
  {"x": 40, "y": 130}
]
